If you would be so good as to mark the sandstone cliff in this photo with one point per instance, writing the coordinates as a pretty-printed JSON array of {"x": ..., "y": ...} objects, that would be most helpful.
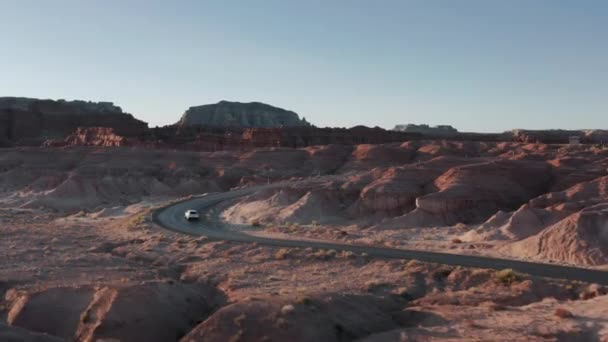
[
  {"x": 25, "y": 121},
  {"x": 237, "y": 114}
]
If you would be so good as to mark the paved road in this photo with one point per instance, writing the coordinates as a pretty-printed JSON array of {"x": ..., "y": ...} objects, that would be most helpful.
[{"x": 172, "y": 218}]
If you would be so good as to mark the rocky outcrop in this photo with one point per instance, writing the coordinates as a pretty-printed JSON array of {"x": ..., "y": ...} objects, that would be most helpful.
[
  {"x": 333, "y": 317},
  {"x": 147, "y": 312},
  {"x": 559, "y": 136},
  {"x": 96, "y": 136},
  {"x": 237, "y": 114},
  {"x": 517, "y": 225},
  {"x": 473, "y": 192},
  {"x": 581, "y": 238},
  {"x": 25, "y": 121}
]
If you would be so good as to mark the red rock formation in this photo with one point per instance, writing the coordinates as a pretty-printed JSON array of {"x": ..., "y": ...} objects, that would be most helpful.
[
  {"x": 96, "y": 136},
  {"x": 473, "y": 192},
  {"x": 581, "y": 238},
  {"x": 31, "y": 121}
]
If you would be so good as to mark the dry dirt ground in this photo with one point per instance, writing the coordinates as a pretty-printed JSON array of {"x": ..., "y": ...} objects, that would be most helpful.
[
  {"x": 87, "y": 277},
  {"x": 82, "y": 260}
]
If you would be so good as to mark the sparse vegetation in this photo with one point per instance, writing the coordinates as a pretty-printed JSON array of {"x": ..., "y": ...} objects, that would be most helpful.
[
  {"x": 304, "y": 300},
  {"x": 138, "y": 220},
  {"x": 507, "y": 276},
  {"x": 348, "y": 254},
  {"x": 323, "y": 254},
  {"x": 442, "y": 273},
  {"x": 460, "y": 226},
  {"x": 412, "y": 263},
  {"x": 404, "y": 293},
  {"x": 282, "y": 253},
  {"x": 372, "y": 285}
]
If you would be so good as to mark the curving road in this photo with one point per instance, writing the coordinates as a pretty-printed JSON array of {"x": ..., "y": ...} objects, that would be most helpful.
[{"x": 172, "y": 218}]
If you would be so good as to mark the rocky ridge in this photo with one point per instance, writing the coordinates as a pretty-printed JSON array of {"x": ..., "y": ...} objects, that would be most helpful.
[{"x": 30, "y": 122}]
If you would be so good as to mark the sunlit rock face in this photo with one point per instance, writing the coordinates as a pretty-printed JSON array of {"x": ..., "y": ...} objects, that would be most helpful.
[{"x": 25, "y": 121}]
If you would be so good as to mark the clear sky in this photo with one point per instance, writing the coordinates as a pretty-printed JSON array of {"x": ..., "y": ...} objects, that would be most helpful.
[{"x": 484, "y": 65}]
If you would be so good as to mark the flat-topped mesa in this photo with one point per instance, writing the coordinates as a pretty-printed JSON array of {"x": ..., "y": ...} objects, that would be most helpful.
[
  {"x": 24, "y": 104},
  {"x": 26, "y": 121},
  {"x": 426, "y": 129},
  {"x": 242, "y": 115}
]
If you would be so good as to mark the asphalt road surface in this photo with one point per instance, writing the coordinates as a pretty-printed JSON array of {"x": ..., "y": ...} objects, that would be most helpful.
[{"x": 172, "y": 218}]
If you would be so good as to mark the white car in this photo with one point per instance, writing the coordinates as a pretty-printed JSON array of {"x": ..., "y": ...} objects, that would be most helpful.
[{"x": 191, "y": 215}]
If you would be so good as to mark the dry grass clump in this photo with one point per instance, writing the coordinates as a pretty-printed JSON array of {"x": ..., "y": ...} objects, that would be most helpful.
[
  {"x": 138, "y": 221},
  {"x": 304, "y": 300},
  {"x": 460, "y": 226},
  {"x": 372, "y": 285},
  {"x": 323, "y": 254},
  {"x": 412, "y": 263},
  {"x": 282, "y": 253},
  {"x": 507, "y": 276},
  {"x": 348, "y": 254}
]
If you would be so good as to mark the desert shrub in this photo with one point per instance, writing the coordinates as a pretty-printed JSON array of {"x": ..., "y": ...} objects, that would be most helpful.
[
  {"x": 441, "y": 273},
  {"x": 372, "y": 285},
  {"x": 404, "y": 293},
  {"x": 507, "y": 276},
  {"x": 281, "y": 254},
  {"x": 412, "y": 263},
  {"x": 138, "y": 220},
  {"x": 456, "y": 240},
  {"x": 461, "y": 226},
  {"x": 348, "y": 254},
  {"x": 324, "y": 254},
  {"x": 304, "y": 300}
]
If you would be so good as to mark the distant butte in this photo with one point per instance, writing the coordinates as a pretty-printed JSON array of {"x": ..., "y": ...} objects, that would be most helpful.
[{"x": 237, "y": 114}]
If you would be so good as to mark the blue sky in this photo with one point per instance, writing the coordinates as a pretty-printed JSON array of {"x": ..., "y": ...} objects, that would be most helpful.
[{"x": 479, "y": 65}]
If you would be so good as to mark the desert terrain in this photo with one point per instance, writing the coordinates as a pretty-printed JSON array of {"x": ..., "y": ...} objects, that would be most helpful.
[
  {"x": 89, "y": 256},
  {"x": 85, "y": 261}
]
